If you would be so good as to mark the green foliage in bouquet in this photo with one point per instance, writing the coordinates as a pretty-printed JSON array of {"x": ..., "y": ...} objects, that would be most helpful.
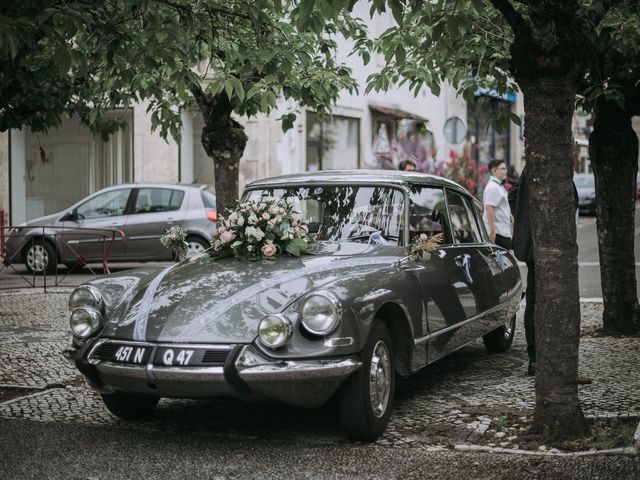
[
  {"x": 422, "y": 246},
  {"x": 175, "y": 238}
]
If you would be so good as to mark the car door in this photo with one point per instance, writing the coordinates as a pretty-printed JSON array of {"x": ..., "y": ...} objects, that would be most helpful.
[
  {"x": 447, "y": 297},
  {"x": 155, "y": 209},
  {"x": 94, "y": 229},
  {"x": 476, "y": 259}
]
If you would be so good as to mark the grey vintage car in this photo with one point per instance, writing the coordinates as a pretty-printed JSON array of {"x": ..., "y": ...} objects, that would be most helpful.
[{"x": 342, "y": 321}]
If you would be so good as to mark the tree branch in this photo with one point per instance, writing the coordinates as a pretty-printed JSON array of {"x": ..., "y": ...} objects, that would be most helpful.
[{"x": 517, "y": 22}]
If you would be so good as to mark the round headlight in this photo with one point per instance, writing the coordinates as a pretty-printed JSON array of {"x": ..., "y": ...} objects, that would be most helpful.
[
  {"x": 274, "y": 331},
  {"x": 86, "y": 296},
  {"x": 321, "y": 313},
  {"x": 85, "y": 322}
]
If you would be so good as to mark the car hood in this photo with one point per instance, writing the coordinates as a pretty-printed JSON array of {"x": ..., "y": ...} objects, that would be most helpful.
[
  {"x": 204, "y": 300},
  {"x": 47, "y": 220}
]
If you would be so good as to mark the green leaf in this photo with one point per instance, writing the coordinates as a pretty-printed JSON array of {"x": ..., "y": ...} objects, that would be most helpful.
[
  {"x": 238, "y": 88},
  {"x": 62, "y": 58},
  {"x": 478, "y": 5},
  {"x": 228, "y": 88},
  {"x": 292, "y": 249},
  {"x": 396, "y": 11},
  {"x": 401, "y": 55},
  {"x": 514, "y": 118}
]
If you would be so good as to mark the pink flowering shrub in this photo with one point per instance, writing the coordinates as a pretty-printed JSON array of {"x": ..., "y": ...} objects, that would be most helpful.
[{"x": 464, "y": 170}]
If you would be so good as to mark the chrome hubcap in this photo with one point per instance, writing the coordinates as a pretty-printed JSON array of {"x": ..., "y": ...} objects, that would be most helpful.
[
  {"x": 37, "y": 258},
  {"x": 508, "y": 327},
  {"x": 194, "y": 248},
  {"x": 380, "y": 379}
]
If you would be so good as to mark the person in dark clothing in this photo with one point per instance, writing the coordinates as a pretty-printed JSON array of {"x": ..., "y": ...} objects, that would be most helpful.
[{"x": 522, "y": 244}]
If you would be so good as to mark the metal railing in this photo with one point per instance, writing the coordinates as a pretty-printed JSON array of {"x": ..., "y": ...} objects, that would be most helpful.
[{"x": 58, "y": 244}]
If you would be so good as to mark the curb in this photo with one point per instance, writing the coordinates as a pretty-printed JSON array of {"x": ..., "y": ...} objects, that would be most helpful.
[{"x": 632, "y": 451}]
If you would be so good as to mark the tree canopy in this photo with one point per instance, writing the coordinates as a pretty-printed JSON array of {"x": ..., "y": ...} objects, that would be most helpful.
[{"x": 221, "y": 57}]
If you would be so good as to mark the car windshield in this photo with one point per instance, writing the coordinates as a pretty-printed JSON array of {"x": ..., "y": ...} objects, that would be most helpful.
[
  {"x": 583, "y": 181},
  {"x": 344, "y": 213}
]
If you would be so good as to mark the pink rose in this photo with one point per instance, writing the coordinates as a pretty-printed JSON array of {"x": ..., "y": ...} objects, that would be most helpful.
[
  {"x": 268, "y": 249},
  {"x": 226, "y": 236},
  {"x": 266, "y": 216}
]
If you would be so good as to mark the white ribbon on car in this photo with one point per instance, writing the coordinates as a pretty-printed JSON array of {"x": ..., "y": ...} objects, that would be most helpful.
[{"x": 140, "y": 327}]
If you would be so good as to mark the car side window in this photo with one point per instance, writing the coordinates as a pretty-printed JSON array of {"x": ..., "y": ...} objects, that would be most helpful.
[
  {"x": 427, "y": 212},
  {"x": 463, "y": 223},
  {"x": 108, "y": 204},
  {"x": 158, "y": 200}
]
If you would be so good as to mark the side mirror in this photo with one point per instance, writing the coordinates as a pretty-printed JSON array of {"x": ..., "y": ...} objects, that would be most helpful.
[{"x": 70, "y": 216}]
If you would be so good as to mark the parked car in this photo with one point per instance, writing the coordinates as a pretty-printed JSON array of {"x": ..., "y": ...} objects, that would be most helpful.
[
  {"x": 142, "y": 212},
  {"x": 340, "y": 322},
  {"x": 586, "y": 187}
]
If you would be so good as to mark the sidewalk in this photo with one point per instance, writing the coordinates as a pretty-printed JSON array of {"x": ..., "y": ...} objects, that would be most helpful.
[{"x": 469, "y": 398}]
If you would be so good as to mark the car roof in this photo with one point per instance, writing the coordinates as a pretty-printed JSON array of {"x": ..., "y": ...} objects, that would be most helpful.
[
  {"x": 199, "y": 186},
  {"x": 389, "y": 177}
]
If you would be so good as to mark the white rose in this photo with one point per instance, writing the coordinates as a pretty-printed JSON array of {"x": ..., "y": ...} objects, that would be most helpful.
[
  {"x": 240, "y": 220},
  {"x": 252, "y": 219},
  {"x": 266, "y": 216}
]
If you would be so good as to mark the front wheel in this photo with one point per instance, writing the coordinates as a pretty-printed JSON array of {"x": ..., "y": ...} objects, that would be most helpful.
[
  {"x": 128, "y": 406},
  {"x": 500, "y": 339},
  {"x": 365, "y": 401},
  {"x": 40, "y": 257}
]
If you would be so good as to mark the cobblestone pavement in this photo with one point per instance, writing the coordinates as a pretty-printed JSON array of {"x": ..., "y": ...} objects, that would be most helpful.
[{"x": 463, "y": 399}]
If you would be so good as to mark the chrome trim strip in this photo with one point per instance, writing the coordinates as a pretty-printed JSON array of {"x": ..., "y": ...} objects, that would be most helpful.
[
  {"x": 220, "y": 346},
  {"x": 426, "y": 338}
]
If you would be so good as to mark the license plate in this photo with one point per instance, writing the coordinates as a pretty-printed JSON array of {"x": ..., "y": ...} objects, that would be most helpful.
[
  {"x": 133, "y": 354},
  {"x": 178, "y": 357}
]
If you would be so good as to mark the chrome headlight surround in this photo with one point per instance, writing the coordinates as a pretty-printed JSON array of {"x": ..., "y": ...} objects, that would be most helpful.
[
  {"x": 86, "y": 296},
  {"x": 274, "y": 331},
  {"x": 320, "y": 313},
  {"x": 85, "y": 322}
]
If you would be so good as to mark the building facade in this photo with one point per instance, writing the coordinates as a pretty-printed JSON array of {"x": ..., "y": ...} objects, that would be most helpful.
[{"x": 42, "y": 174}]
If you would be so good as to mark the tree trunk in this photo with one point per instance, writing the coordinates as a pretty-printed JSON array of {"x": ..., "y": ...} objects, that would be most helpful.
[
  {"x": 224, "y": 140},
  {"x": 548, "y": 106},
  {"x": 613, "y": 150}
]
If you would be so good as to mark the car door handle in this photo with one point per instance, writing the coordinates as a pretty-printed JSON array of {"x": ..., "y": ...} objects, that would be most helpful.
[{"x": 463, "y": 262}]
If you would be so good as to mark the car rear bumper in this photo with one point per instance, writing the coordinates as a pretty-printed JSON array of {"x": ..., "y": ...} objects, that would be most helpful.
[{"x": 308, "y": 383}]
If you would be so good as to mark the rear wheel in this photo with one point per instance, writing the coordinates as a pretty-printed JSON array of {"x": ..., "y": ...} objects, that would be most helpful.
[
  {"x": 500, "y": 339},
  {"x": 40, "y": 257},
  {"x": 365, "y": 401},
  {"x": 128, "y": 406},
  {"x": 195, "y": 245}
]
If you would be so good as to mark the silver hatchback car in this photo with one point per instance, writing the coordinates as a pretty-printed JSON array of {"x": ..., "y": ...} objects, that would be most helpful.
[{"x": 121, "y": 223}]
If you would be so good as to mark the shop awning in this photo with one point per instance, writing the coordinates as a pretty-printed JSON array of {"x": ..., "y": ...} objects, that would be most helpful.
[{"x": 397, "y": 112}]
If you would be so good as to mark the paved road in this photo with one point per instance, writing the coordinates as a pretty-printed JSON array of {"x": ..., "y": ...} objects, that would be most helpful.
[
  {"x": 53, "y": 425},
  {"x": 588, "y": 259},
  {"x": 54, "y": 450}
]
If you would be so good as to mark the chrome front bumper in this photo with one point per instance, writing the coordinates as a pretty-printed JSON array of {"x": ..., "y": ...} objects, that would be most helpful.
[{"x": 308, "y": 383}]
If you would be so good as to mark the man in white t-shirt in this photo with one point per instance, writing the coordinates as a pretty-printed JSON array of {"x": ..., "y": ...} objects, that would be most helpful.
[{"x": 497, "y": 215}]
